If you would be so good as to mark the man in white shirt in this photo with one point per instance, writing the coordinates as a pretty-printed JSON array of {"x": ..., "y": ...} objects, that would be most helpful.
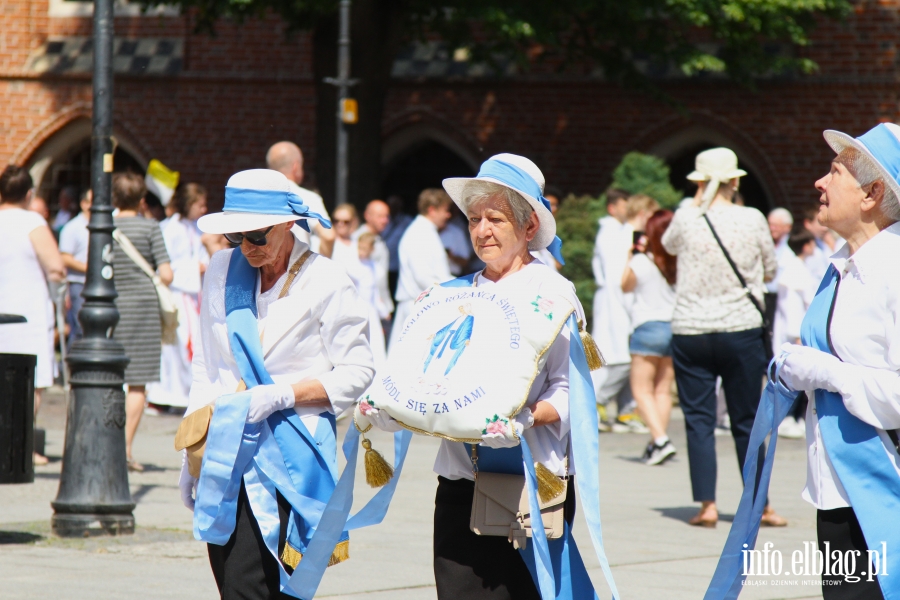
[
  {"x": 287, "y": 159},
  {"x": 423, "y": 259},
  {"x": 612, "y": 307},
  {"x": 377, "y": 216},
  {"x": 73, "y": 245}
]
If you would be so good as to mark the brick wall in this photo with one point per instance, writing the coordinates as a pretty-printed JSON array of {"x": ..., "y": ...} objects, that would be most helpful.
[{"x": 249, "y": 86}]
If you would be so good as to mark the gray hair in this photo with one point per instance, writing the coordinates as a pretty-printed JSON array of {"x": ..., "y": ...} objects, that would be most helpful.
[
  {"x": 475, "y": 192},
  {"x": 862, "y": 167},
  {"x": 783, "y": 215}
]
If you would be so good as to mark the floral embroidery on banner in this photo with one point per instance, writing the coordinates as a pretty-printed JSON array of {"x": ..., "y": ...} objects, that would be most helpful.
[
  {"x": 544, "y": 306},
  {"x": 495, "y": 425},
  {"x": 423, "y": 295},
  {"x": 366, "y": 406}
]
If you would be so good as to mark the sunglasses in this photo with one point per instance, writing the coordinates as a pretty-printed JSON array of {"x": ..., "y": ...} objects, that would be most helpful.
[{"x": 257, "y": 238}]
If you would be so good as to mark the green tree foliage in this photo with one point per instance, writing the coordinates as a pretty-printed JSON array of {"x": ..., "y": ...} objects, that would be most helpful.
[
  {"x": 645, "y": 174},
  {"x": 577, "y": 218}
]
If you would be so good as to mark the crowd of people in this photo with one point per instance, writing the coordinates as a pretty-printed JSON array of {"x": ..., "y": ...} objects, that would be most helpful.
[{"x": 694, "y": 301}]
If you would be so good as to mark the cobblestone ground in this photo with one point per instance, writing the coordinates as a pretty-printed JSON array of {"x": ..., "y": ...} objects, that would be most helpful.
[{"x": 653, "y": 552}]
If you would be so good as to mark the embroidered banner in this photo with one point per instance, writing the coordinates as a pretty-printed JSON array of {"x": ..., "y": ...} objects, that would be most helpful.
[{"x": 465, "y": 361}]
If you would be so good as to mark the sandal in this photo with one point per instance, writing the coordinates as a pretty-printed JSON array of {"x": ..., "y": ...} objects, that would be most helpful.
[
  {"x": 772, "y": 519},
  {"x": 134, "y": 466},
  {"x": 40, "y": 460},
  {"x": 699, "y": 521}
]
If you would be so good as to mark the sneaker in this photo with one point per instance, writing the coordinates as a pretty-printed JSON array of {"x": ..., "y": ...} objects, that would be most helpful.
[
  {"x": 661, "y": 454},
  {"x": 629, "y": 424},
  {"x": 604, "y": 426},
  {"x": 648, "y": 451},
  {"x": 722, "y": 430}
]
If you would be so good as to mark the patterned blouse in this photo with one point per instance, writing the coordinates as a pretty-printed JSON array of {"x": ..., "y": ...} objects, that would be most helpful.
[{"x": 709, "y": 297}]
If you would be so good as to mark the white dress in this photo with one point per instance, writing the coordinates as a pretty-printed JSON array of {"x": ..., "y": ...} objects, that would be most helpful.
[
  {"x": 187, "y": 253},
  {"x": 612, "y": 307},
  {"x": 364, "y": 276},
  {"x": 23, "y": 291},
  {"x": 423, "y": 263}
]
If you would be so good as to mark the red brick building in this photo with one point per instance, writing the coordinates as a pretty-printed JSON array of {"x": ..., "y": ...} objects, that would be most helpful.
[{"x": 208, "y": 106}]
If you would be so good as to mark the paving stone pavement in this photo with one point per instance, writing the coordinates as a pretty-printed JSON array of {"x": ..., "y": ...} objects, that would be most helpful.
[{"x": 653, "y": 552}]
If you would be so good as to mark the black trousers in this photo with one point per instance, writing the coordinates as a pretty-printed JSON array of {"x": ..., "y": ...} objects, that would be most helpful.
[
  {"x": 740, "y": 360},
  {"x": 477, "y": 567},
  {"x": 244, "y": 568},
  {"x": 840, "y": 528}
]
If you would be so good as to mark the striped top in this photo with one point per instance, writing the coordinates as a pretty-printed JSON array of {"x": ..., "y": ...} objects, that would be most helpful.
[{"x": 139, "y": 330}]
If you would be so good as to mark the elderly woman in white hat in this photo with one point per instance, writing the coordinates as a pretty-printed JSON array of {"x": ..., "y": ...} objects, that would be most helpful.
[
  {"x": 725, "y": 253},
  {"x": 508, "y": 219},
  {"x": 848, "y": 363},
  {"x": 287, "y": 324}
]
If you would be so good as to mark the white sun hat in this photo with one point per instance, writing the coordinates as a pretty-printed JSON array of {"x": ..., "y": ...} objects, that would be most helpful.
[
  {"x": 716, "y": 166},
  {"x": 522, "y": 176},
  {"x": 881, "y": 144},
  {"x": 257, "y": 199}
]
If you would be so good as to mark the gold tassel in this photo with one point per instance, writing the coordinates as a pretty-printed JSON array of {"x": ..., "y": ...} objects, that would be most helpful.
[
  {"x": 549, "y": 485},
  {"x": 378, "y": 471},
  {"x": 291, "y": 557},
  {"x": 591, "y": 352}
]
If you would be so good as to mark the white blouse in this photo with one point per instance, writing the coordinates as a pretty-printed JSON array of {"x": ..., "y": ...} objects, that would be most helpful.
[
  {"x": 320, "y": 330},
  {"x": 549, "y": 443},
  {"x": 709, "y": 297},
  {"x": 865, "y": 332}
]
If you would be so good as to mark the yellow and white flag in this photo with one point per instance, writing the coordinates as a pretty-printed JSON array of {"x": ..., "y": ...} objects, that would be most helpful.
[{"x": 161, "y": 181}]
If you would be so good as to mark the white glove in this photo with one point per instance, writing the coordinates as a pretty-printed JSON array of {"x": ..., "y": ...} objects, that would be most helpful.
[
  {"x": 520, "y": 423},
  {"x": 383, "y": 421},
  {"x": 266, "y": 399},
  {"x": 187, "y": 483},
  {"x": 806, "y": 368}
]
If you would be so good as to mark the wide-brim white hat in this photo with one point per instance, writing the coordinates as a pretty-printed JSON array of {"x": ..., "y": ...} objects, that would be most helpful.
[
  {"x": 881, "y": 144},
  {"x": 718, "y": 163},
  {"x": 520, "y": 175},
  {"x": 257, "y": 199}
]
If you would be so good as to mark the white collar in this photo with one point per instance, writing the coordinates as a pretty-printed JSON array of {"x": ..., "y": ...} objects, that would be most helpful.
[{"x": 871, "y": 256}]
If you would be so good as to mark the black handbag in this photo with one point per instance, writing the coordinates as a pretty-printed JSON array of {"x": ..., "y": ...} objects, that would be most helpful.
[{"x": 766, "y": 326}]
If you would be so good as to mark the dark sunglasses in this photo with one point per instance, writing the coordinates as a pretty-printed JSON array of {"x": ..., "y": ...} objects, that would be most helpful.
[{"x": 257, "y": 238}]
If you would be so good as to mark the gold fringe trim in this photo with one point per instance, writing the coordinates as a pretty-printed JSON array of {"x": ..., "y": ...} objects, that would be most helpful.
[
  {"x": 291, "y": 557},
  {"x": 378, "y": 471},
  {"x": 591, "y": 352},
  {"x": 549, "y": 485}
]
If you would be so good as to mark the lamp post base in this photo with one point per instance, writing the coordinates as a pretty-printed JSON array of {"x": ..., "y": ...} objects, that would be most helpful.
[{"x": 90, "y": 525}]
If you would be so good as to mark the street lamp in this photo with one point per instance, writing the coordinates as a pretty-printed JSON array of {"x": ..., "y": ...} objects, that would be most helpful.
[
  {"x": 348, "y": 112},
  {"x": 93, "y": 497}
]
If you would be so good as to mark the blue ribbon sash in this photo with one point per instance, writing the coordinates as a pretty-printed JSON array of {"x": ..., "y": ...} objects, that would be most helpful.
[
  {"x": 556, "y": 565},
  {"x": 279, "y": 455},
  {"x": 854, "y": 448}
]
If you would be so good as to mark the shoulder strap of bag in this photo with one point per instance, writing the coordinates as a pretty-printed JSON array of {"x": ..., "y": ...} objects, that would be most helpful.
[
  {"x": 734, "y": 268},
  {"x": 133, "y": 253}
]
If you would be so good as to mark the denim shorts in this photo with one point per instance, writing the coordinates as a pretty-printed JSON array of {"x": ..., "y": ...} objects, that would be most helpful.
[{"x": 653, "y": 338}]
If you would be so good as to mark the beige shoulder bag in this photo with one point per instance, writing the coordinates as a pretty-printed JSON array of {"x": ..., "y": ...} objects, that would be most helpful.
[{"x": 500, "y": 505}]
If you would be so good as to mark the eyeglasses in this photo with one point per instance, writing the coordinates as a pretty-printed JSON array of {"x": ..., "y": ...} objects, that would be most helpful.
[{"x": 257, "y": 238}]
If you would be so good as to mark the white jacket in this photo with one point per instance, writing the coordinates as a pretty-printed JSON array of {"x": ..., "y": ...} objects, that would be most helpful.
[{"x": 320, "y": 330}]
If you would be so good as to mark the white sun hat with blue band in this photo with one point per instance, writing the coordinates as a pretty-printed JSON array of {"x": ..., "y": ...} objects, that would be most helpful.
[
  {"x": 522, "y": 176},
  {"x": 881, "y": 144},
  {"x": 257, "y": 199}
]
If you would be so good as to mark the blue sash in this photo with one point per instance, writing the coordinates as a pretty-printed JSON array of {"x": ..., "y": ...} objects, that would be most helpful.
[
  {"x": 278, "y": 455},
  {"x": 854, "y": 448},
  {"x": 556, "y": 565}
]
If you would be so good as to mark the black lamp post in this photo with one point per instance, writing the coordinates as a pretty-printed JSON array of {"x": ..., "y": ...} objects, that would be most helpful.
[{"x": 93, "y": 497}]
